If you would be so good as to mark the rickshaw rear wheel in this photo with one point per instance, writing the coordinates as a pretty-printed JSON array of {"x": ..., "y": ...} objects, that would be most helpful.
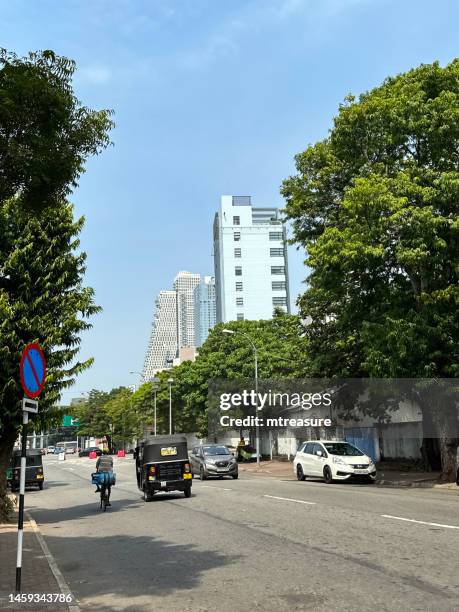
[
  {"x": 147, "y": 496},
  {"x": 187, "y": 492},
  {"x": 40, "y": 486}
]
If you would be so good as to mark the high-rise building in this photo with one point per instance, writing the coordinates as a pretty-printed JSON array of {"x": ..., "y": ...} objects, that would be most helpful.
[
  {"x": 181, "y": 322},
  {"x": 204, "y": 309},
  {"x": 250, "y": 257},
  {"x": 185, "y": 284},
  {"x": 162, "y": 347}
]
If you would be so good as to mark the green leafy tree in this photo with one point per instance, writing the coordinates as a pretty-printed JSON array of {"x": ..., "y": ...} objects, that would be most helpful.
[
  {"x": 93, "y": 418},
  {"x": 45, "y": 133},
  {"x": 376, "y": 207},
  {"x": 281, "y": 354},
  {"x": 42, "y": 299},
  {"x": 45, "y": 137}
]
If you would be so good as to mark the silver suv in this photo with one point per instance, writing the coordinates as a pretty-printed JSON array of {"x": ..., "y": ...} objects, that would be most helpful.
[{"x": 213, "y": 460}]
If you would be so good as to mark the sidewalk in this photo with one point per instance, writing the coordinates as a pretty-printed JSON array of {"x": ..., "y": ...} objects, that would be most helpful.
[
  {"x": 37, "y": 575},
  {"x": 387, "y": 477}
]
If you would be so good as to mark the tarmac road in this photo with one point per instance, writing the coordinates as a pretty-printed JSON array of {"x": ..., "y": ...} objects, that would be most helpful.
[{"x": 258, "y": 543}]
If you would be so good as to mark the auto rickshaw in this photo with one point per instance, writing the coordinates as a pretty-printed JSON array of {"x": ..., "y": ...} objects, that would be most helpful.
[
  {"x": 34, "y": 469},
  {"x": 162, "y": 464}
]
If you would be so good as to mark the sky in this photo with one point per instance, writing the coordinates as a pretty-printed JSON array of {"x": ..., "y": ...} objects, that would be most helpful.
[{"x": 210, "y": 97}]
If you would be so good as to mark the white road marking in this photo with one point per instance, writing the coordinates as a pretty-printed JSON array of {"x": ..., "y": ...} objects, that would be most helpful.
[
  {"x": 297, "y": 501},
  {"x": 400, "y": 518},
  {"x": 215, "y": 487}
]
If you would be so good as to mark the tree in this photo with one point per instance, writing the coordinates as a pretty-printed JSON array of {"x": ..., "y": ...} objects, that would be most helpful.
[
  {"x": 42, "y": 299},
  {"x": 93, "y": 419},
  {"x": 376, "y": 206},
  {"x": 45, "y": 133},
  {"x": 281, "y": 354},
  {"x": 45, "y": 137}
]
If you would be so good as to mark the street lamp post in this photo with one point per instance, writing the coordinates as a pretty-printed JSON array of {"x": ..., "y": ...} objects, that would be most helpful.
[
  {"x": 255, "y": 357},
  {"x": 154, "y": 382},
  {"x": 137, "y": 427},
  {"x": 169, "y": 382}
]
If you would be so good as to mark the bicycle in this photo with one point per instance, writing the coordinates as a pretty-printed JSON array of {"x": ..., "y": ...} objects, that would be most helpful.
[{"x": 104, "y": 497}]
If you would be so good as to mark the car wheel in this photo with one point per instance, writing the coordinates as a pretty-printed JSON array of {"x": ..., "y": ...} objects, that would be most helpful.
[
  {"x": 299, "y": 472},
  {"x": 202, "y": 474},
  {"x": 235, "y": 476},
  {"x": 328, "y": 476},
  {"x": 187, "y": 492}
]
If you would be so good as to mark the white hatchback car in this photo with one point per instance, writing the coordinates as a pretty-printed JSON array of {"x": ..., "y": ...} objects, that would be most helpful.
[{"x": 332, "y": 460}]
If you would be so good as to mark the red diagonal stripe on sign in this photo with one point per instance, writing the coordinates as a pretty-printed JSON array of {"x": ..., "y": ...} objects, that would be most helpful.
[{"x": 33, "y": 370}]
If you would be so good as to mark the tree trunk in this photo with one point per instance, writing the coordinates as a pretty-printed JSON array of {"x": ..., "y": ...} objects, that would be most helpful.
[
  {"x": 7, "y": 441},
  {"x": 429, "y": 449},
  {"x": 448, "y": 439}
]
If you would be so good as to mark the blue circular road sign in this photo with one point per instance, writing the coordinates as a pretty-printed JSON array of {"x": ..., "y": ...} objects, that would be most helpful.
[{"x": 32, "y": 370}]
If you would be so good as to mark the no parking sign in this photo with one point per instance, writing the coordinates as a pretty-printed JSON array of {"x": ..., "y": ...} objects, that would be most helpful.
[{"x": 32, "y": 370}]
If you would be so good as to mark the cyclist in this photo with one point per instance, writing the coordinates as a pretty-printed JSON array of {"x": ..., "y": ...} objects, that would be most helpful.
[{"x": 105, "y": 464}]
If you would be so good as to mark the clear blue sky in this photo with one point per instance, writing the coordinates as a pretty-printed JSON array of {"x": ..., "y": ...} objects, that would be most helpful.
[{"x": 211, "y": 97}]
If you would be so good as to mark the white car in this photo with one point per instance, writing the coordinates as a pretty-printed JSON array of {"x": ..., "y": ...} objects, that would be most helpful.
[{"x": 332, "y": 460}]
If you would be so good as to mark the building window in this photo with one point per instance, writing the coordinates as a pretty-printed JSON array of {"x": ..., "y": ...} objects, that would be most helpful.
[
  {"x": 276, "y": 252},
  {"x": 237, "y": 253},
  {"x": 278, "y": 285},
  {"x": 240, "y": 316},
  {"x": 275, "y": 236},
  {"x": 237, "y": 236},
  {"x": 279, "y": 301},
  {"x": 236, "y": 220},
  {"x": 238, "y": 286},
  {"x": 239, "y": 301},
  {"x": 238, "y": 271},
  {"x": 277, "y": 270}
]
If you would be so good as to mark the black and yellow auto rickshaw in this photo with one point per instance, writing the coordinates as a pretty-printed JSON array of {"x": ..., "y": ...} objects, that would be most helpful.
[
  {"x": 34, "y": 469},
  {"x": 162, "y": 464}
]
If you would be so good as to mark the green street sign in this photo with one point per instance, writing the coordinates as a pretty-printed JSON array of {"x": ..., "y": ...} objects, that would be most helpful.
[{"x": 69, "y": 421}]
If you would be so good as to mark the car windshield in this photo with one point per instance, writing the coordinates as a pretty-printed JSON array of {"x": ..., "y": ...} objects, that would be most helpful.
[
  {"x": 342, "y": 448},
  {"x": 215, "y": 450}
]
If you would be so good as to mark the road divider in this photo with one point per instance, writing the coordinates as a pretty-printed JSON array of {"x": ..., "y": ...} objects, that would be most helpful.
[{"x": 401, "y": 518}]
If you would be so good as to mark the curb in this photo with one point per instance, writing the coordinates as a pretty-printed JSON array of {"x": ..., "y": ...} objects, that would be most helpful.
[
  {"x": 64, "y": 587},
  {"x": 396, "y": 484}
]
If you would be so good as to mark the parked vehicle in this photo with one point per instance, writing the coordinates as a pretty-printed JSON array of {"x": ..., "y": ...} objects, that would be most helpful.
[
  {"x": 332, "y": 460},
  {"x": 50, "y": 449},
  {"x": 58, "y": 450},
  {"x": 162, "y": 464},
  {"x": 92, "y": 449},
  {"x": 213, "y": 460},
  {"x": 34, "y": 469},
  {"x": 70, "y": 450}
]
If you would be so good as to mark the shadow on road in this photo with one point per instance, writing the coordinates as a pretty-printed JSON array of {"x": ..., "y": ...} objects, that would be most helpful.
[
  {"x": 135, "y": 569},
  {"x": 70, "y": 513}
]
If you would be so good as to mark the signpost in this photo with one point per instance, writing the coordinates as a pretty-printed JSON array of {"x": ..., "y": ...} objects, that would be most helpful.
[{"x": 32, "y": 370}]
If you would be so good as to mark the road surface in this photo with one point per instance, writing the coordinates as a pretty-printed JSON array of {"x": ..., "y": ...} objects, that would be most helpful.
[{"x": 258, "y": 543}]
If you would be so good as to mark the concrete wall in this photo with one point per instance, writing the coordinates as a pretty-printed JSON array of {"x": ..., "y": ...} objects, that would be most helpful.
[{"x": 401, "y": 440}]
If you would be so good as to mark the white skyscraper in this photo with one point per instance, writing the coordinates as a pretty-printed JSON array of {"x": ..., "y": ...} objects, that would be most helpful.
[
  {"x": 162, "y": 347},
  {"x": 204, "y": 309},
  {"x": 184, "y": 284},
  {"x": 182, "y": 318},
  {"x": 250, "y": 257}
]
